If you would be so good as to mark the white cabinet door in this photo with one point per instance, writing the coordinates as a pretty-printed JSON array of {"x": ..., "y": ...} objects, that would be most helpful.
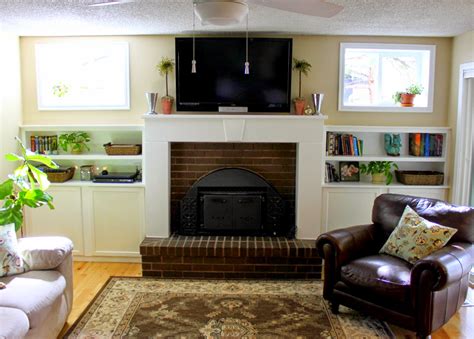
[
  {"x": 434, "y": 193},
  {"x": 64, "y": 220},
  {"x": 114, "y": 220},
  {"x": 343, "y": 207}
]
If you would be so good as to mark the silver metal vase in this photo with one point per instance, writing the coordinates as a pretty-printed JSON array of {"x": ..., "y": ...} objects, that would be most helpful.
[
  {"x": 151, "y": 99},
  {"x": 317, "y": 101}
]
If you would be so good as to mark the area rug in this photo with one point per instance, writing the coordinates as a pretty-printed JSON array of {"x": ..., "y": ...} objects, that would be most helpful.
[{"x": 152, "y": 308}]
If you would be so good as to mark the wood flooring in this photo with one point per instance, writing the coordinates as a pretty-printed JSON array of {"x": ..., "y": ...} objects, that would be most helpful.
[{"x": 89, "y": 278}]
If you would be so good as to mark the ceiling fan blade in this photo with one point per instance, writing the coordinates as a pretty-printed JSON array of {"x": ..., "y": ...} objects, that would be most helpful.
[
  {"x": 95, "y": 3},
  {"x": 308, "y": 7}
]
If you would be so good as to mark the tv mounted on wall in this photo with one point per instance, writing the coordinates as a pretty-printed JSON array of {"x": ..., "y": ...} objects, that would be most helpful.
[{"x": 220, "y": 82}]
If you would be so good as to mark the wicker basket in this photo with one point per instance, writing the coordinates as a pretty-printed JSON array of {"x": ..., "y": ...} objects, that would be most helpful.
[
  {"x": 59, "y": 174},
  {"x": 420, "y": 177},
  {"x": 122, "y": 149}
]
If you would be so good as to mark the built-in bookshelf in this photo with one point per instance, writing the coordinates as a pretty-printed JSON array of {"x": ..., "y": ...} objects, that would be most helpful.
[
  {"x": 43, "y": 139},
  {"x": 422, "y": 148}
]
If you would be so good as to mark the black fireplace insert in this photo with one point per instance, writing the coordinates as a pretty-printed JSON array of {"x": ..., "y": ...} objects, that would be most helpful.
[{"x": 234, "y": 201}]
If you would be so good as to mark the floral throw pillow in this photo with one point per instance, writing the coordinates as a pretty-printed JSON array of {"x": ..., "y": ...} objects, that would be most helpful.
[
  {"x": 415, "y": 237},
  {"x": 11, "y": 261}
]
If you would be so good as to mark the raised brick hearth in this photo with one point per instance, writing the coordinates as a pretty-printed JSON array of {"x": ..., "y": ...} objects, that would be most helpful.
[
  {"x": 230, "y": 258},
  {"x": 276, "y": 162}
]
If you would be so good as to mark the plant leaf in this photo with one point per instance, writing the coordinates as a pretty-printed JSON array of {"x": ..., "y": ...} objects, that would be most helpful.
[
  {"x": 40, "y": 177},
  {"x": 13, "y": 157},
  {"x": 6, "y": 188},
  {"x": 41, "y": 159}
]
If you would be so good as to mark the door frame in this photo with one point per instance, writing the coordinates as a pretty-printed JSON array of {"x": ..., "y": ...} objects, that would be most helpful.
[{"x": 464, "y": 131}]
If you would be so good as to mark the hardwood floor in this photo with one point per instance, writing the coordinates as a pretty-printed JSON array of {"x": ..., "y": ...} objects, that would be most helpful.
[{"x": 90, "y": 277}]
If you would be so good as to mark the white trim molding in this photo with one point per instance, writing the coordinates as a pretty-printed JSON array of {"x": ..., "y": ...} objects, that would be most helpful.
[{"x": 464, "y": 134}]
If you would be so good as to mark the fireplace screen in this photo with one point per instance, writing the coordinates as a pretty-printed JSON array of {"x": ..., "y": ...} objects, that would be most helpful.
[{"x": 234, "y": 201}]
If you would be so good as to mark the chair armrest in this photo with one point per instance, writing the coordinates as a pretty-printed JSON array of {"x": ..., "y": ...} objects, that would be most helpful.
[
  {"x": 349, "y": 243},
  {"x": 442, "y": 268},
  {"x": 44, "y": 253}
]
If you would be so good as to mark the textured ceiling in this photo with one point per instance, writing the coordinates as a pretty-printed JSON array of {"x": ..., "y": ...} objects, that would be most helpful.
[{"x": 359, "y": 17}]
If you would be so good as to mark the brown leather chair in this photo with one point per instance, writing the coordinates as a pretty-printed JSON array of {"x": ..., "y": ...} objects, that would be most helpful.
[{"x": 420, "y": 297}]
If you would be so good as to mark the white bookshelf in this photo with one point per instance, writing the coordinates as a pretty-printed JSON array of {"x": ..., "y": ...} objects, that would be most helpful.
[
  {"x": 350, "y": 203},
  {"x": 373, "y": 150},
  {"x": 105, "y": 221},
  {"x": 100, "y": 135}
]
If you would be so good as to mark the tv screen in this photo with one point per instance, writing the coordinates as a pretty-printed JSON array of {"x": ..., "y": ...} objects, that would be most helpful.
[{"x": 220, "y": 80}]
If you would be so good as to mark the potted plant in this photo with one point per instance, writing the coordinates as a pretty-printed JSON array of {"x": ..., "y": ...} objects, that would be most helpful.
[
  {"x": 165, "y": 67},
  {"x": 25, "y": 187},
  {"x": 407, "y": 97},
  {"x": 380, "y": 171},
  {"x": 303, "y": 67},
  {"x": 76, "y": 141}
]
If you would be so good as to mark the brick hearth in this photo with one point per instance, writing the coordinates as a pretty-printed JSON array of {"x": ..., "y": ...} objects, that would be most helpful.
[
  {"x": 276, "y": 162},
  {"x": 230, "y": 258}
]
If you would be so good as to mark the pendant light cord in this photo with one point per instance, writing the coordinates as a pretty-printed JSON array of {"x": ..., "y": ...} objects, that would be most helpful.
[
  {"x": 247, "y": 64},
  {"x": 193, "y": 62}
]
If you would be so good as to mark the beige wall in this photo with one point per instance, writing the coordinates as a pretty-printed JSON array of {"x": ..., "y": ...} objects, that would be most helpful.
[
  {"x": 10, "y": 99},
  {"x": 321, "y": 51}
]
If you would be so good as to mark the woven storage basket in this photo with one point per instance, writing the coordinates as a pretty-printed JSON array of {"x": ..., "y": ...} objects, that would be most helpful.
[
  {"x": 59, "y": 174},
  {"x": 420, "y": 177},
  {"x": 122, "y": 149}
]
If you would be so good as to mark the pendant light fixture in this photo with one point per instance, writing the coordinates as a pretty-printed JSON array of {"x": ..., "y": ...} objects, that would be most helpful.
[
  {"x": 247, "y": 63},
  {"x": 193, "y": 62}
]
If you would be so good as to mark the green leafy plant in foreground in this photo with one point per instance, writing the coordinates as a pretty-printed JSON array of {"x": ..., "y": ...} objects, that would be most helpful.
[
  {"x": 380, "y": 167},
  {"x": 25, "y": 187}
]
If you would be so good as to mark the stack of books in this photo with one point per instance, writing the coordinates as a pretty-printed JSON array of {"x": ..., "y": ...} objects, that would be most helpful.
[
  {"x": 425, "y": 144},
  {"x": 44, "y": 144},
  {"x": 343, "y": 144}
]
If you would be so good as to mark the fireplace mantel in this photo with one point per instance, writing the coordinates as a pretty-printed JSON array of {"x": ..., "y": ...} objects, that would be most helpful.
[{"x": 306, "y": 131}]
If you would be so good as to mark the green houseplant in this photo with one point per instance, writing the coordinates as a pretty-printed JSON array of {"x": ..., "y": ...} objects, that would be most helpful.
[
  {"x": 25, "y": 187},
  {"x": 76, "y": 141},
  {"x": 381, "y": 171},
  {"x": 302, "y": 67},
  {"x": 406, "y": 98},
  {"x": 165, "y": 67}
]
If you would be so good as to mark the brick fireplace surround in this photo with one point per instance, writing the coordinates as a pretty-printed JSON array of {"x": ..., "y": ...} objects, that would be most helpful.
[
  {"x": 276, "y": 162},
  {"x": 285, "y": 149}
]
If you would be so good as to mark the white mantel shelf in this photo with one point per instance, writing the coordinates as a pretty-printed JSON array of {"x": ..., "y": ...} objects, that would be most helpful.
[
  {"x": 306, "y": 131},
  {"x": 234, "y": 116}
]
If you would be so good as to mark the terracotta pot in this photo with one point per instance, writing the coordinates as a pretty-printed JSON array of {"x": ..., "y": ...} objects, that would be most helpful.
[
  {"x": 166, "y": 105},
  {"x": 379, "y": 178},
  {"x": 300, "y": 104},
  {"x": 406, "y": 100}
]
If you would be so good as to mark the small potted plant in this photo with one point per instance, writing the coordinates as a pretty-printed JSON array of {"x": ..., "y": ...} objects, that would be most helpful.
[
  {"x": 76, "y": 141},
  {"x": 302, "y": 67},
  {"x": 25, "y": 187},
  {"x": 165, "y": 67},
  {"x": 381, "y": 171},
  {"x": 407, "y": 97}
]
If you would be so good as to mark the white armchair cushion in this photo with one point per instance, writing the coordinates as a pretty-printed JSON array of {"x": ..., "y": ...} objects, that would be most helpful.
[{"x": 44, "y": 253}]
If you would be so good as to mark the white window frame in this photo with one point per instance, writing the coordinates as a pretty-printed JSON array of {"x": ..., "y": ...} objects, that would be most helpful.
[{"x": 345, "y": 108}]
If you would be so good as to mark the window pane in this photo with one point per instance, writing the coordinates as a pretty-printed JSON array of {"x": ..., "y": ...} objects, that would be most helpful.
[{"x": 373, "y": 75}]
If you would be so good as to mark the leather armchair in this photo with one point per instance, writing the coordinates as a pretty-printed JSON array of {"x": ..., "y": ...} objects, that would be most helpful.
[{"x": 420, "y": 297}]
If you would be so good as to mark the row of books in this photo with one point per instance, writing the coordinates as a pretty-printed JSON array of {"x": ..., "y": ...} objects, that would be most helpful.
[
  {"x": 425, "y": 144},
  {"x": 44, "y": 144},
  {"x": 331, "y": 174},
  {"x": 343, "y": 144}
]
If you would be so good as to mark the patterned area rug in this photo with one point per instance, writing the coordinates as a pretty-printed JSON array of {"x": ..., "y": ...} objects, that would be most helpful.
[{"x": 150, "y": 308}]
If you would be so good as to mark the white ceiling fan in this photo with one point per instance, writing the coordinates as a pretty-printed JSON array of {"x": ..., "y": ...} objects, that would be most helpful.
[{"x": 229, "y": 12}]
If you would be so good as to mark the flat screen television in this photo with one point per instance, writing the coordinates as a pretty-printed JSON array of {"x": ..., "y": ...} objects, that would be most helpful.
[{"x": 220, "y": 80}]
